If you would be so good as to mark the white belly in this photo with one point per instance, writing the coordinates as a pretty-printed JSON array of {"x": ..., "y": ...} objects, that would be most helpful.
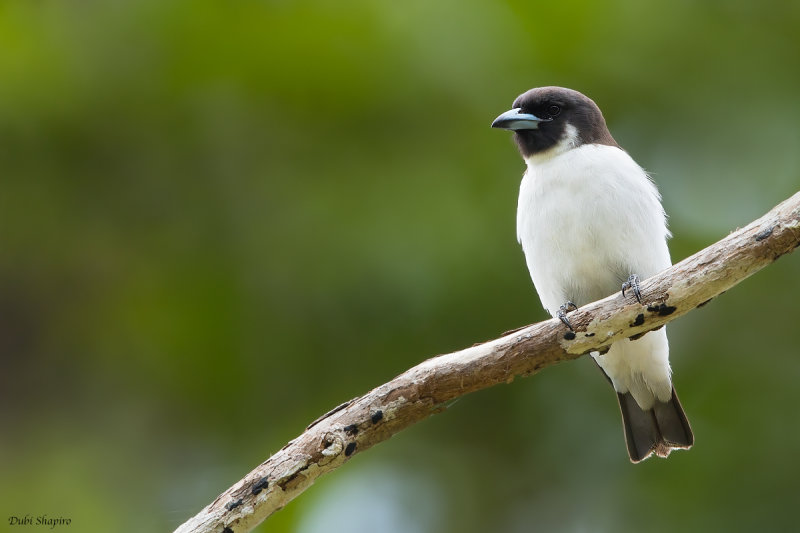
[{"x": 587, "y": 219}]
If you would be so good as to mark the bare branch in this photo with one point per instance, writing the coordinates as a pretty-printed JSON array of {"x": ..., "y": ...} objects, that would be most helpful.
[{"x": 361, "y": 423}]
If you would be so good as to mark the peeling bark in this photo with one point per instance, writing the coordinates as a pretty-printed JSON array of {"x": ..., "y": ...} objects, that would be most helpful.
[{"x": 426, "y": 389}]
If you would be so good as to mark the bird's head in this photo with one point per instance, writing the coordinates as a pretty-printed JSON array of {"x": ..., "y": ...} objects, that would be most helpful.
[{"x": 552, "y": 120}]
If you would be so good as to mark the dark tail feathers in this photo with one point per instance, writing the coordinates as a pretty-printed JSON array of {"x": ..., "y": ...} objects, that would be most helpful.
[{"x": 656, "y": 431}]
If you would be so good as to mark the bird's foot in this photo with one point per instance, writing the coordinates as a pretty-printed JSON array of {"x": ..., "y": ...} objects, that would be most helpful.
[
  {"x": 632, "y": 283},
  {"x": 562, "y": 313}
]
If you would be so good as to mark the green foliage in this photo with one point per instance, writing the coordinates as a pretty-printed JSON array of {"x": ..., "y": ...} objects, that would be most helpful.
[{"x": 220, "y": 219}]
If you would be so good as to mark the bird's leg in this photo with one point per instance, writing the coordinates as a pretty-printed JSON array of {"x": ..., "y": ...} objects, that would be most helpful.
[
  {"x": 562, "y": 313},
  {"x": 632, "y": 283}
]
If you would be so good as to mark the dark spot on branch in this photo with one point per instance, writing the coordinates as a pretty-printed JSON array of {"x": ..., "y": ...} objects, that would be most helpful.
[
  {"x": 661, "y": 309},
  {"x": 603, "y": 350},
  {"x": 764, "y": 234},
  {"x": 231, "y": 505},
  {"x": 569, "y": 335},
  {"x": 350, "y": 449},
  {"x": 637, "y": 336},
  {"x": 639, "y": 320},
  {"x": 262, "y": 484},
  {"x": 352, "y": 429},
  {"x": 701, "y": 304},
  {"x": 377, "y": 416},
  {"x": 589, "y": 334},
  {"x": 227, "y": 530}
]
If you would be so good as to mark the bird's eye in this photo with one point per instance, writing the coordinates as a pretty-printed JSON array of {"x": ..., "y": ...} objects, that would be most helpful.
[{"x": 553, "y": 110}]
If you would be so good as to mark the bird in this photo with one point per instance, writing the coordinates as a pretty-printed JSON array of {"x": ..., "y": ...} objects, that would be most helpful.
[{"x": 590, "y": 222}]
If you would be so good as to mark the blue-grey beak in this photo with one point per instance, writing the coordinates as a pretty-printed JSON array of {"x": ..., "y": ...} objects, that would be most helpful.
[{"x": 516, "y": 120}]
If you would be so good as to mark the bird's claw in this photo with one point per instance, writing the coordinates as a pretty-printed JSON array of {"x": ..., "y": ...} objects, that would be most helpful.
[
  {"x": 632, "y": 283},
  {"x": 562, "y": 314}
]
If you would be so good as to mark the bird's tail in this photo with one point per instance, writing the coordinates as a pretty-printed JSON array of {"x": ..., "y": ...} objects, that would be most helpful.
[{"x": 656, "y": 431}]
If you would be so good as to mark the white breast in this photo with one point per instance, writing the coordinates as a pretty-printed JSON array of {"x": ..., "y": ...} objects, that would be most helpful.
[{"x": 587, "y": 218}]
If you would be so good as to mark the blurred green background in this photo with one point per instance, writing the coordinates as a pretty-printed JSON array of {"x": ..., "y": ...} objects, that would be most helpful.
[{"x": 219, "y": 220}]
